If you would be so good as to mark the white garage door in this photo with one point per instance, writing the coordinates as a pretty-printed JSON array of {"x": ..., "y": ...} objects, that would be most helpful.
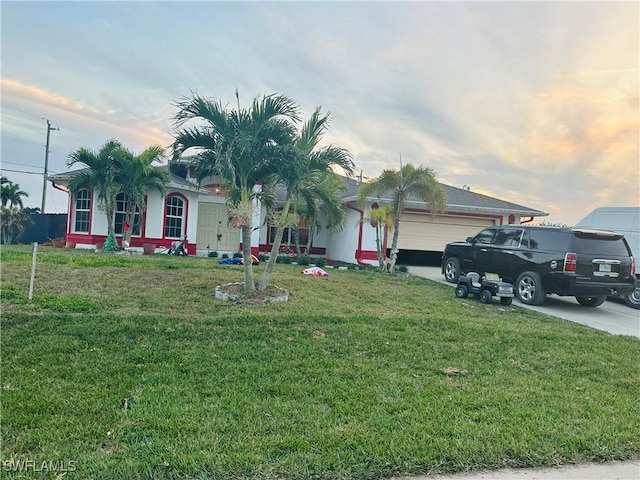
[{"x": 423, "y": 232}]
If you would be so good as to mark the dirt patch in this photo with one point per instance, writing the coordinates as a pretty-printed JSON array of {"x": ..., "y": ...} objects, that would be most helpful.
[{"x": 236, "y": 293}]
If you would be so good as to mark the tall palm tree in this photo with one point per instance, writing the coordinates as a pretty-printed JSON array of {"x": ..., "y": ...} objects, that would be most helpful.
[
  {"x": 99, "y": 175},
  {"x": 13, "y": 215},
  {"x": 11, "y": 193},
  {"x": 136, "y": 177},
  {"x": 419, "y": 182},
  {"x": 304, "y": 160},
  {"x": 239, "y": 145},
  {"x": 381, "y": 220}
]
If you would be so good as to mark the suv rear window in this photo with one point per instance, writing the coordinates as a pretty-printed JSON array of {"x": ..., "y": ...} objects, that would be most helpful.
[
  {"x": 547, "y": 240},
  {"x": 600, "y": 246}
]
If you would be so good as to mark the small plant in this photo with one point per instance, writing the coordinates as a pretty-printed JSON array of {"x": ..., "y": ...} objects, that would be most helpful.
[
  {"x": 224, "y": 255},
  {"x": 237, "y": 255},
  {"x": 402, "y": 268},
  {"x": 303, "y": 261},
  {"x": 262, "y": 257},
  {"x": 283, "y": 259},
  {"x": 213, "y": 254},
  {"x": 320, "y": 262}
]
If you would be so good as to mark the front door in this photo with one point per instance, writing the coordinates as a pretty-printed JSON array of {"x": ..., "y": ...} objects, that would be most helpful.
[{"x": 214, "y": 231}]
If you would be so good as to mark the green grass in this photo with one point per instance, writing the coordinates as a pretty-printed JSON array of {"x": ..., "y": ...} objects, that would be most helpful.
[{"x": 129, "y": 367}]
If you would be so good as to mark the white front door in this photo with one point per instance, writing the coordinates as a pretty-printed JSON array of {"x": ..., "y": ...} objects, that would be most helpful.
[{"x": 214, "y": 231}]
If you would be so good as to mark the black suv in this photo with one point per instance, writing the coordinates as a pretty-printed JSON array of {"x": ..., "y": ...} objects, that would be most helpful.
[{"x": 587, "y": 264}]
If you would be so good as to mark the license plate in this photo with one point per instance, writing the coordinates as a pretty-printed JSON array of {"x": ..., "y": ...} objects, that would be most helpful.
[{"x": 605, "y": 267}]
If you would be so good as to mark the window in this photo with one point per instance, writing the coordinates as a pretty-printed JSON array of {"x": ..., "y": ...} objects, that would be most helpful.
[
  {"x": 82, "y": 211},
  {"x": 120, "y": 214},
  {"x": 508, "y": 237},
  {"x": 174, "y": 216},
  {"x": 485, "y": 236},
  {"x": 289, "y": 235}
]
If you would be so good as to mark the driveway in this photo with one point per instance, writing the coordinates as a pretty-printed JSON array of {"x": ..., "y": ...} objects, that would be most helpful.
[{"x": 612, "y": 316}]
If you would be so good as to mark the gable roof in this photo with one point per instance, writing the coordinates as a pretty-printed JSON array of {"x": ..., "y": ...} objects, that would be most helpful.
[
  {"x": 175, "y": 182},
  {"x": 458, "y": 200}
]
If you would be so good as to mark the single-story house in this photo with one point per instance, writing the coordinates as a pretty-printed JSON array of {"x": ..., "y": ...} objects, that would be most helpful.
[{"x": 200, "y": 213}]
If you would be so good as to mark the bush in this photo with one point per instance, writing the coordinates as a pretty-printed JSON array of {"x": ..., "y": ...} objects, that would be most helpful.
[
  {"x": 262, "y": 257},
  {"x": 224, "y": 255},
  {"x": 303, "y": 261},
  {"x": 320, "y": 262},
  {"x": 237, "y": 255},
  {"x": 402, "y": 268},
  {"x": 283, "y": 259},
  {"x": 213, "y": 254}
]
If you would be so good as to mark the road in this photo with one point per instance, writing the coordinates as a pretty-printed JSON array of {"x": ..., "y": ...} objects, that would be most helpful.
[{"x": 612, "y": 316}]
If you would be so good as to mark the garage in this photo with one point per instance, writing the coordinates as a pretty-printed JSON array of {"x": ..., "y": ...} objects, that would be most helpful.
[{"x": 423, "y": 232}]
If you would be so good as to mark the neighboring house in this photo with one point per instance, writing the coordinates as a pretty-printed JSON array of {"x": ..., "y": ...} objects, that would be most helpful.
[{"x": 201, "y": 214}]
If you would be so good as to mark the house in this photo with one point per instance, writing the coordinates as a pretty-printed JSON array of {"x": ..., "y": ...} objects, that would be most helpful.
[{"x": 200, "y": 213}]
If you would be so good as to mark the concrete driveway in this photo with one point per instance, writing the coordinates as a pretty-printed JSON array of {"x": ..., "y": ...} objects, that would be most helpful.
[{"x": 612, "y": 316}]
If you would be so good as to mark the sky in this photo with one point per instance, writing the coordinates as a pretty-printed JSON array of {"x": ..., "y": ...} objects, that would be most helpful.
[{"x": 535, "y": 103}]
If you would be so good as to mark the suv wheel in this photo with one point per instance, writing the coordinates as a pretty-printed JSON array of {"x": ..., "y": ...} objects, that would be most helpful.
[
  {"x": 633, "y": 299},
  {"x": 452, "y": 270},
  {"x": 529, "y": 289},
  {"x": 591, "y": 301}
]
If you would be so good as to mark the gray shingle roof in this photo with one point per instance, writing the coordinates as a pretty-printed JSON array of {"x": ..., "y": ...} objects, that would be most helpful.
[
  {"x": 175, "y": 182},
  {"x": 458, "y": 199}
]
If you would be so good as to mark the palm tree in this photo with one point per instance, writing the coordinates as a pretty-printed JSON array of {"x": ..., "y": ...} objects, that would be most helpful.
[
  {"x": 381, "y": 220},
  {"x": 419, "y": 182},
  {"x": 99, "y": 175},
  {"x": 239, "y": 145},
  {"x": 11, "y": 193},
  {"x": 135, "y": 177},
  {"x": 299, "y": 174},
  {"x": 13, "y": 214}
]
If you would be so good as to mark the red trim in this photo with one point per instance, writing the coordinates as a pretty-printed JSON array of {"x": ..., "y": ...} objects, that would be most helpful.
[
  {"x": 368, "y": 255},
  {"x": 135, "y": 241},
  {"x": 359, "y": 249}
]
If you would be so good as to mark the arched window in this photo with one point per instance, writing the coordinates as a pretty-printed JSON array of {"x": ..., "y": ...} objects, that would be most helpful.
[
  {"x": 82, "y": 211},
  {"x": 120, "y": 214},
  {"x": 174, "y": 216}
]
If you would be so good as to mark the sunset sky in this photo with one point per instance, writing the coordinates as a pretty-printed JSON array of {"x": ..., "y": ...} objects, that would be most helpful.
[{"x": 535, "y": 103}]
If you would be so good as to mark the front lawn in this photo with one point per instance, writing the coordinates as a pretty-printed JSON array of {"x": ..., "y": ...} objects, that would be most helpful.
[{"x": 128, "y": 367}]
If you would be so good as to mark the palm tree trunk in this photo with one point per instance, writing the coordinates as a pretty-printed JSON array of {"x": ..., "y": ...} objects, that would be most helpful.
[
  {"x": 249, "y": 286},
  {"x": 275, "y": 249},
  {"x": 379, "y": 248},
  {"x": 394, "y": 243}
]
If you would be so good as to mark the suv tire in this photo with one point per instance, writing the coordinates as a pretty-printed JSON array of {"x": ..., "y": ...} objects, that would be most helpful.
[
  {"x": 452, "y": 270},
  {"x": 529, "y": 288},
  {"x": 591, "y": 301},
  {"x": 633, "y": 300}
]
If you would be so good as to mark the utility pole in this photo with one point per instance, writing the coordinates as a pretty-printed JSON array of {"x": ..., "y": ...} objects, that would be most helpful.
[{"x": 46, "y": 165}]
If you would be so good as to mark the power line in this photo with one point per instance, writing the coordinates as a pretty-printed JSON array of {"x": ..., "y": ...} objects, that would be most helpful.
[
  {"x": 20, "y": 171},
  {"x": 22, "y": 164}
]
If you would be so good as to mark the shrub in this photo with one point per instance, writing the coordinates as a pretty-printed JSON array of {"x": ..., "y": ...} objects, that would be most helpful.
[
  {"x": 213, "y": 254},
  {"x": 262, "y": 257},
  {"x": 283, "y": 259},
  {"x": 303, "y": 261},
  {"x": 237, "y": 255},
  {"x": 224, "y": 255},
  {"x": 320, "y": 262},
  {"x": 402, "y": 268}
]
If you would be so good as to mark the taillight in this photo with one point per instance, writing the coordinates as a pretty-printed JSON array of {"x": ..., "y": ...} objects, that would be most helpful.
[
  {"x": 633, "y": 266},
  {"x": 570, "y": 261}
]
